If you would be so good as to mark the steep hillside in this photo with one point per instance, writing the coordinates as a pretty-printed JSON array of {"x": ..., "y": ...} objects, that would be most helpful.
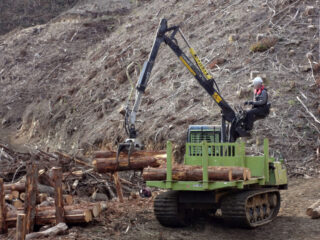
[
  {"x": 63, "y": 82},
  {"x": 18, "y": 13}
]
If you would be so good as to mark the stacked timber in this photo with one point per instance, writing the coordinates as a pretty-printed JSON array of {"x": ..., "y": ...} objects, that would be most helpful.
[
  {"x": 15, "y": 194},
  {"x": 195, "y": 173},
  {"x": 72, "y": 214},
  {"x": 107, "y": 161},
  {"x": 314, "y": 210},
  {"x": 19, "y": 187}
]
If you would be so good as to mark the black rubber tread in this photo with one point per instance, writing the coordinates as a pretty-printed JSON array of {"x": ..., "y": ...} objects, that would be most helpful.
[
  {"x": 233, "y": 208},
  {"x": 167, "y": 211}
]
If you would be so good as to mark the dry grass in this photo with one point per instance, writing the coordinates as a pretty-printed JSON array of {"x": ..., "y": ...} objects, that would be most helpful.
[{"x": 263, "y": 45}]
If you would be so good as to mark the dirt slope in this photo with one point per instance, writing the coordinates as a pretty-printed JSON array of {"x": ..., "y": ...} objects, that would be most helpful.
[
  {"x": 63, "y": 82},
  {"x": 18, "y": 13}
]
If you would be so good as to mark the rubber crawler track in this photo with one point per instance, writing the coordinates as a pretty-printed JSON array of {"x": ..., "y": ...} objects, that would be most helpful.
[{"x": 166, "y": 210}]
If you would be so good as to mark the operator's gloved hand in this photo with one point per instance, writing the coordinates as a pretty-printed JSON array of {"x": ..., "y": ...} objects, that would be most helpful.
[{"x": 248, "y": 103}]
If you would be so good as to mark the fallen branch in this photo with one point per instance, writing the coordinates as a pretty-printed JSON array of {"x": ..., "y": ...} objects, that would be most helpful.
[{"x": 308, "y": 111}]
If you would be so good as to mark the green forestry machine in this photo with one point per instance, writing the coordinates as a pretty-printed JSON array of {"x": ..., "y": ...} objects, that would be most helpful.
[{"x": 250, "y": 202}]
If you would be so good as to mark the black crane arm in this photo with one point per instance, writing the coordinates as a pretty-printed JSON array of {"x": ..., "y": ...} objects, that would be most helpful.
[
  {"x": 197, "y": 70},
  {"x": 208, "y": 85}
]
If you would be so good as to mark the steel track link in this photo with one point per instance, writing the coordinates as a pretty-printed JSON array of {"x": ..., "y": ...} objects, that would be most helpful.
[{"x": 235, "y": 207}]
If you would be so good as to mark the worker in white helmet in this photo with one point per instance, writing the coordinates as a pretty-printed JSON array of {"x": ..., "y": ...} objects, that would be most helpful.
[{"x": 260, "y": 106}]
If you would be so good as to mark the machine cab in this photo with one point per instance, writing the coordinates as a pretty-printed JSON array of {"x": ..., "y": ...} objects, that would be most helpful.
[{"x": 199, "y": 133}]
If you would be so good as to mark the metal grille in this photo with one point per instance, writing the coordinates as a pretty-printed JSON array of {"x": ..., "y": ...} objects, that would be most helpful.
[
  {"x": 213, "y": 151},
  {"x": 209, "y": 136}
]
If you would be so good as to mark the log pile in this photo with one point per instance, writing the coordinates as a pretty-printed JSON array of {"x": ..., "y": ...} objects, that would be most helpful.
[
  {"x": 78, "y": 213},
  {"x": 17, "y": 197},
  {"x": 36, "y": 208},
  {"x": 41, "y": 197},
  {"x": 78, "y": 178},
  {"x": 194, "y": 173},
  {"x": 314, "y": 210}
]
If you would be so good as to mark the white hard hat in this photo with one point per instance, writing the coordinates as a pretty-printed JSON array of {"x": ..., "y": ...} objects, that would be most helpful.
[{"x": 257, "y": 81}]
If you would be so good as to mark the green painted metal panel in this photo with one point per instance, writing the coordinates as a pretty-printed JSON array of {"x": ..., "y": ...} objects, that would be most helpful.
[
  {"x": 256, "y": 165},
  {"x": 199, "y": 186},
  {"x": 205, "y": 158},
  {"x": 223, "y": 154},
  {"x": 278, "y": 174}
]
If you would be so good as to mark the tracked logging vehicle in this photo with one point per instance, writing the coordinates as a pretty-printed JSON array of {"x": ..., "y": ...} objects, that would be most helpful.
[{"x": 249, "y": 202}]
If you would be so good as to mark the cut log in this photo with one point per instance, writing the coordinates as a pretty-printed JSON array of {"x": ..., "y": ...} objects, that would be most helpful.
[
  {"x": 248, "y": 173},
  {"x": 22, "y": 196},
  {"x": 78, "y": 174},
  {"x": 3, "y": 222},
  {"x": 51, "y": 232},
  {"x": 21, "y": 227},
  {"x": 7, "y": 191},
  {"x": 184, "y": 173},
  {"x": 45, "y": 189},
  {"x": 47, "y": 203},
  {"x": 15, "y": 194},
  {"x": 103, "y": 165},
  {"x": 17, "y": 203},
  {"x": 316, "y": 213},
  {"x": 312, "y": 208},
  {"x": 68, "y": 199},
  {"x": 103, "y": 206},
  {"x": 8, "y": 197},
  {"x": 239, "y": 173},
  {"x": 95, "y": 209},
  {"x": 47, "y": 215},
  {"x": 19, "y": 186},
  {"x": 41, "y": 197}
]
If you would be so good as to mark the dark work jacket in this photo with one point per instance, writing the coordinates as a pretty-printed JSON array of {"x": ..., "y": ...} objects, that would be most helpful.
[{"x": 261, "y": 102}]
